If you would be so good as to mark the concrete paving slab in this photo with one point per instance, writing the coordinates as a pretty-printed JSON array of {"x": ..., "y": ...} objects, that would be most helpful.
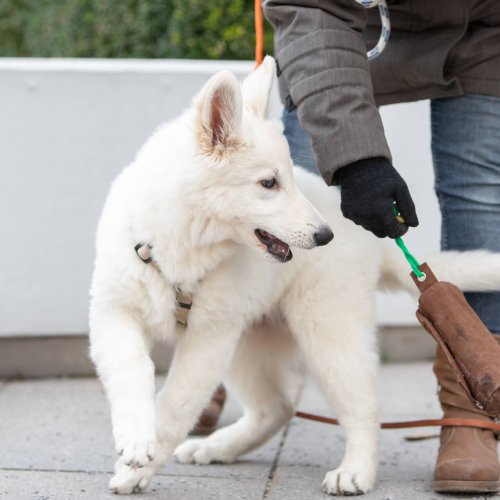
[
  {"x": 56, "y": 444},
  {"x": 64, "y": 424},
  {"x": 304, "y": 483},
  {"x": 53, "y": 485},
  {"x": 311, "y": 449},
  {"x": 55, "y": 424}
]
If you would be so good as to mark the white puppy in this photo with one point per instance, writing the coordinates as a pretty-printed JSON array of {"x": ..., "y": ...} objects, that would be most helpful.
[{"x": 212, "y": 199}]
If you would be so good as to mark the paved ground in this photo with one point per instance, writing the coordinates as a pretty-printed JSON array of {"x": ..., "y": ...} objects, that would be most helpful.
[{"x": 55, "y": 443}]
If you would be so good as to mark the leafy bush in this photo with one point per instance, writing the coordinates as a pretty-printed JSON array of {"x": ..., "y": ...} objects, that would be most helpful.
[{"x": 201, "y": 29}]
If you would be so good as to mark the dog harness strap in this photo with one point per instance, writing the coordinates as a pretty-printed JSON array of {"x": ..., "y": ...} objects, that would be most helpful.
[
  {"x": 183, "y": 300},
  {"x": 143, "y": 251}
]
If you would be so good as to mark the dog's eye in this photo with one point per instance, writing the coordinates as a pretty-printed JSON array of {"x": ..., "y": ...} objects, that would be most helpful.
[{"x": 269, "y": 183}]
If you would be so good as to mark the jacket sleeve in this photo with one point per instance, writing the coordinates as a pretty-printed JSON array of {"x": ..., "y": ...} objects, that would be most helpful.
[{"x": 323, "y": 71}]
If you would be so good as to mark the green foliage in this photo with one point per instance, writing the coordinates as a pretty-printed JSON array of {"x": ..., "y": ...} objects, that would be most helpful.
[
  {"x": 201, "y": 29},
  {"x": 12, "y": 16},
  {"x": 216, "y": 29}
]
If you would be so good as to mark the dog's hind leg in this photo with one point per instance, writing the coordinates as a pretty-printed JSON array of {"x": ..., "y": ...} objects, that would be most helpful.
[
  {"x": 265, "y": 380},
  {"x": 335, "y": 334}
]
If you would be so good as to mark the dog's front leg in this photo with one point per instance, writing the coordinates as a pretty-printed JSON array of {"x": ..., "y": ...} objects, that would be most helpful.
[
  {"x": 202, "y": 357},
  {"x": 120, "y": 352},
  {"x": 337, "y": 342},
  {"x": 347, "y": 375}
]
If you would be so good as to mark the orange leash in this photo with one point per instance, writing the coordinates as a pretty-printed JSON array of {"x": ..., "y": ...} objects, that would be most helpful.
[
  {"x": 436, "y": 422},
  {"x": 259, "y": 34}
]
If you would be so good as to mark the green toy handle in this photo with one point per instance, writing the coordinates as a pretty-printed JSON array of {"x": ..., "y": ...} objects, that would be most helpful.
[{"x": 400, "y": 243}]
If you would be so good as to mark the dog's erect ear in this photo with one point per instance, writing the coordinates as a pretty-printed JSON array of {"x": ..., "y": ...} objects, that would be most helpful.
[
  {"x": 257, "y": 87},
  {"x": 219, "y": 113}
]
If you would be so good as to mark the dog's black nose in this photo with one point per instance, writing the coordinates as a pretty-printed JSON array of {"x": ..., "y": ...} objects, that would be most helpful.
[{"x": 323, "y": 236}]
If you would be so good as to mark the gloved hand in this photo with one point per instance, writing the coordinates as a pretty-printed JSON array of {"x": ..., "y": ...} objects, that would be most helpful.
[{"x": 368, "y": 190}]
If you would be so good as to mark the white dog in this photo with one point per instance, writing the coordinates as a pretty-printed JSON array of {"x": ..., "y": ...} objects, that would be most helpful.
[{"x": 212, "y": 200}]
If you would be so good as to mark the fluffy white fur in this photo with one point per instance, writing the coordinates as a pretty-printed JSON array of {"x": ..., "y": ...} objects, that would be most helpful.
[{"x": 194, "y": 192}]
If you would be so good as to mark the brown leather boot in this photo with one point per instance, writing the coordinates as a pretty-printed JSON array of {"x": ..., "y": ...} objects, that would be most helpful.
[
  {"x": 467, "y": 460},
  {"x": 207, "y": 422}
]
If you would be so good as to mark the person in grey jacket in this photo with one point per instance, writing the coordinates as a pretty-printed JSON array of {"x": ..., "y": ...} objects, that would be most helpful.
[{"x": 448, "y": 52}]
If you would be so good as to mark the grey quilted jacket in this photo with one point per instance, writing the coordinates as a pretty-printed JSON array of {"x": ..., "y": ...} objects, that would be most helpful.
[{"x": 438, "y": 48}]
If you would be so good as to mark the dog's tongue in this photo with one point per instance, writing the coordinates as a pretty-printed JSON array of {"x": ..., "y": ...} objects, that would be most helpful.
[
  {"x": 275, "y": 246},
  {"x": 280, "y": 250}
]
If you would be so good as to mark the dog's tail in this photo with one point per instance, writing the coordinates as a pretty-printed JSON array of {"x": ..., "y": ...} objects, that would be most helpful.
[{"x": 471, "y": 271}]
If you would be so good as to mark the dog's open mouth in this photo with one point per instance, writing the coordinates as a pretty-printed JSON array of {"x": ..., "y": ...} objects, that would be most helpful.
[{"x": 275, "y": 246}]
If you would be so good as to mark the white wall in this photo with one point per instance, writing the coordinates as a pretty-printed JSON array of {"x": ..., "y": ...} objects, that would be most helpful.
[{"x": 67, "y": 127}]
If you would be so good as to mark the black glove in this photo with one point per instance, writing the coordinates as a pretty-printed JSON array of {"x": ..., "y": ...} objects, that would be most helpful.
[{"x": 368, "y": 190}]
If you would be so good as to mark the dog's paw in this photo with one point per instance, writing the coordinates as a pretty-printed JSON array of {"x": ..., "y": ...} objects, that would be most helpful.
[
  {"x": 135, "y": 442},
  {"x": 348, "y": 481},
  {"x": 137, "y": 452},
  {"x": 193, "y": 451},
  {"x": 130, "y": 479},
  {"x": 202, "y": 452}
]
